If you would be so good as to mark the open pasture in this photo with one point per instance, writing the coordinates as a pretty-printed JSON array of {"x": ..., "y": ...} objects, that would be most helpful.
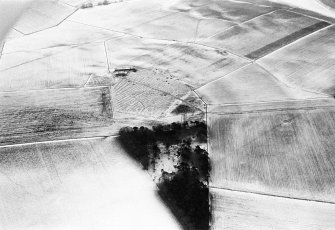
[
  {"x": 287, "y": 152},
  {"x": 249, "y": 84},
  {"x": 308, "y": 63},
  {"x": 77, "y": 185},
  {"x": 236, "y": 210},
  {"x": 28, "y": 116},
  {"x": 266, "y": 33},
  {"x": 42, "y": 15},
  {"x": 68, "y": 67}
]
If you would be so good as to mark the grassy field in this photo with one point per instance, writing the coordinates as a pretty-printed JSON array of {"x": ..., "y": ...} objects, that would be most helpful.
[
  {"x": 42, "y": 15},
  {"x": 282, "y": 152},
  {"x": 308, "y": 63},
  {"x": 266, "y": 33},
  {"x": 235, "y": 210},
  {"x": 53, "y": 68},
  {"x": 249, "y": 85},
  {"x": 77, "y": 185},
  {"x": 28, "y": 116}
]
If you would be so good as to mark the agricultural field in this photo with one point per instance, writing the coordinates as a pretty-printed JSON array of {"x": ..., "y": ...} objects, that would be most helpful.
[
  {"x": 308, "y": 63},
  {"x": 236, "y": 210},
  {"x": 133, "y": 48},
  {"x": 231, "y": 10},
  {"x": 90, "y": 3},
  {"x": 140, "y": 100},
  {"x": 258, "y": 72},
  {"x": 125, "y": 15},
  {"x": 64, "y": 67},
  {"x": 266, "y": 33},
  {"x": 13, "y": 34},
  {"x": 250, "y": 84},
  {"x": 159, "y": 80},
  {"x": 286, "y": 152},
  {"x": 39, "y": 115},
  {"x": 209, "y": 27},
  {"x": 66, "y": 34},
  {"x": 42, "y": 15},
  {"x": 194, "y": 64},
  {"x": 177, "y": 26},
  {"x": 77, "y": 185}
]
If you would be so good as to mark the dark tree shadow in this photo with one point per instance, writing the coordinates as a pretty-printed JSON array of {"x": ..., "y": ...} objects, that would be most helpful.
[{"x": 185, "y": 191}]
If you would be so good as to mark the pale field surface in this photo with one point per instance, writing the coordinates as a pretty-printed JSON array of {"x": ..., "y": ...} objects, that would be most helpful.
[
  {"x": 285, "y": 152},
  {"x": 194, "y": 64},
  {"x": 10, "y": 12},
  {"x": 234, "y": 11},
  {"x": 15, "y": 59},
  {"x": 249, "y": 85},
  {"x": 121, "y": 16},
  {"x": 43, "y": 14},
  {"x": 308, "y": 63},
  {"x": 183, "y": 5},
  {"x": 27, "y": 116},
  {"x": 178, "y": 26},
  {"x": 328, "y": 3},
  {"x": 138, "y": 99},
  {"x": 323, "y": 7},
  {"x": 160, "y": 81},
  {"x": 86, "y": 184},
  {"x": 264, "y": 34},
  {"x": 66, "y": 34},
  {"x": 241, "y": 211},
  {"x": 12, "y": 34},
  {"x": 133, "y": 48},
  {"x": 209, "y": 27},
  {"x": 271, "y": 106},
  {"x": 79, "y": 3},
  {"x": 52, "y": 68}
]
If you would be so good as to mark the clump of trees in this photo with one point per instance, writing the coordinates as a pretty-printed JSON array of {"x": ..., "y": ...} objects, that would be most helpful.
[{"x": 186, "y": 189}]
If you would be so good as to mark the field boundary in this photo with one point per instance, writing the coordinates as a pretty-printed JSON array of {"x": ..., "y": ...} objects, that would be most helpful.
[
  {"x": 58, "y": 141},
  {"x": 265, "y": 50},
  {"x": 310, "y": 104},
  {"x": 272, "y": 195}
]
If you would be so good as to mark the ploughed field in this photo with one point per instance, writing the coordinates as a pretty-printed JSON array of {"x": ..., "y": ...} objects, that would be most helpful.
[
  {"x": 308, "y": 63},
  {"x": 39, "y": 115},
  {"x": 238, "y": 210},
  {"x": 285, "y": 151}
]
